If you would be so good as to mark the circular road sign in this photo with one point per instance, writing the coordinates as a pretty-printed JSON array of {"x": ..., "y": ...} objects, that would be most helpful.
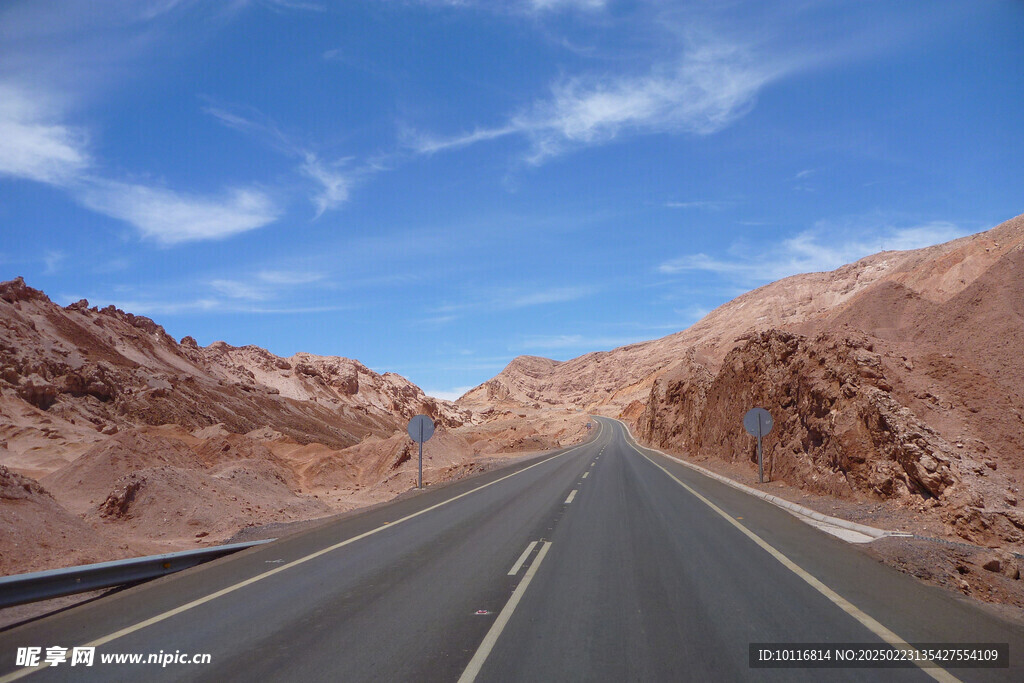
[
  {"x": 757, "y": 421},
  {"x": 421, "y": 428}
]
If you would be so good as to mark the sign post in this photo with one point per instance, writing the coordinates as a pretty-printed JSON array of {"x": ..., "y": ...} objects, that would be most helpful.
[
  {"x": 758, "y": 422},
  {"x": 421, "y": 428}
]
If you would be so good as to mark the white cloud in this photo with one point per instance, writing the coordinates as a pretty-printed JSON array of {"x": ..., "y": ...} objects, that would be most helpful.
[
  {"x": 706, "y": 89},
  {"x": 235, "y": 289},
  {"x": 142, "y": 307},
  {"x": 34, "y": 144},
  {"x": 547, "y": 296},
  {"x": 211, "y": 304},
  {"x": 567, "y": 4},
  {"x": 439, "y": 319},
  {"x": 295, "y": 4},
  {"x": 709, "y": 205},
  {"x": 506, "y": 298},
  {"x": 52, "y": 260},
  {"x": 266, "y": 285},
  {"x": 521, "y": 6},
  {"x": 289, "y": 277},
  {"x": 816, "y": 250},
  {"x": 575, "y": 341},
  {"x": 428, "y": 144},
  {"x": 334, "y": 185},
  {"x": 170, "y": 217}
]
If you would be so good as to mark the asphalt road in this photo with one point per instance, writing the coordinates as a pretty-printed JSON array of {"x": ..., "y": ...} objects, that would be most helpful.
[{"x": 596, "y": 563}]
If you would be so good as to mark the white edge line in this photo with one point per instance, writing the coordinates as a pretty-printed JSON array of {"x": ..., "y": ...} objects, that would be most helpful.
[
  {"x": 799, "y": 511},
  {"x": 473, "y": 668},
  {"x": 572, "y": 494},
  {"x": 25, "y": 671},
  {"x": 522, "y": 558},
  {"x": 927, "y": 666}
]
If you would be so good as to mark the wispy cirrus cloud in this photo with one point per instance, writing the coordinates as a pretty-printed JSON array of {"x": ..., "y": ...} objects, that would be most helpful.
[
  {"x": 519, "y": 6},
  {"x": 210, "y": 305},
  {"x": 53, "y": 59},
  {"x": 276, "y": 291},
  {"x": 290, "y": 277},
  {"x": 712, "y": 84},
  {"x": 267, "y": 285},
  {"x": 332, "y": 184},
  {"x": 707, "y": 205},
  {"x": 506, "y": 298},
  {"x": 34, "y": 143},
  {"x": 816, "y": 250},
  {"x": 575, "y": 342},
  {"x": 170, "y": 217},
  {"x": 428, "y": 144},
  {"x": 547, "y": 5},
  {"x": 544, "y": 296},
  {"x": 52, "y": 261},
  {"x": 37, "y": 145},
  {"x": 235, "y": 289}
]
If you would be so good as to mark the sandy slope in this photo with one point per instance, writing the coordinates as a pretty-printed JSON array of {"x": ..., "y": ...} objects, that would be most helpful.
[
  {"x": 608, "y": 381},
  {"x": 898, "y": 377},
  {"x": 121, "y": 441}
]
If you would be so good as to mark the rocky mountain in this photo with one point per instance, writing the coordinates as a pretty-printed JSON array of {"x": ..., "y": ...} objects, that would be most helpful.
[
  {"x": 117, "y": 440},
  {"x": 608, "y": 381},
  {"x": 71, "y": 375},
  {"x": 898, "y": 377}
]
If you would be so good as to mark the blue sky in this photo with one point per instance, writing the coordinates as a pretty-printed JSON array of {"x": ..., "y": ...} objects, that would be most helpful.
[{"x": 435, "y": 187}]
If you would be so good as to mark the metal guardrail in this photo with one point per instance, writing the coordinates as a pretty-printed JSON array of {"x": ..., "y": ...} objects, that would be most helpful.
[{"x": 54, "y": 583}]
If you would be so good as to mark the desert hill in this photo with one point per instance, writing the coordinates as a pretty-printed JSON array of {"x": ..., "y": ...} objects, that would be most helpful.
[
  {"x": 71, "y": 375},
  {"x": 607, "y": 381},
  {"x": 123, "y": 441},
  {"x": 896, "y": 378}
]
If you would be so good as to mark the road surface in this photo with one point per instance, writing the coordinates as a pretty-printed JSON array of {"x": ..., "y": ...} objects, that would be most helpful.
[{"x": 595, "y": 563}]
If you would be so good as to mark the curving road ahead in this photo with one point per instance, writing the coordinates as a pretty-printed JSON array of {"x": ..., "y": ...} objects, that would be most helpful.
[{"x": 596, "y": 563}]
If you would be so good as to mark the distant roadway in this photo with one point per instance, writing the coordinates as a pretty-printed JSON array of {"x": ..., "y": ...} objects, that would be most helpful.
[{"x": 595, "y": 563}]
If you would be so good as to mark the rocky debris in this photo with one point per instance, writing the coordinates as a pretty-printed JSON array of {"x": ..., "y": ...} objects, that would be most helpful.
[
  {"x": 606, "y": 382},
  {"x": 218, "y": 430},
  {"x": 37, "y": 391},
  {"x": 37, "y": 533},
  {"x": 143, "y": 439},
  {"x": 121, "y": 499},
  {"x": 14, "y": 486},
  {"x": 840, "y": 429},
  {"x": 108, "y": 367},
  {"x": 16, "y": 290},
  {"x": 1002, "y": 562},
  {"x": 879, "y": 383},
  {"x": 880, "y": 390}
]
